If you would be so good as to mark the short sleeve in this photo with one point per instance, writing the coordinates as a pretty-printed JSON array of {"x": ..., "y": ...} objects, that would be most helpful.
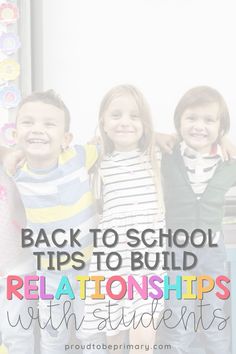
[{"x": 91, "y": 155}]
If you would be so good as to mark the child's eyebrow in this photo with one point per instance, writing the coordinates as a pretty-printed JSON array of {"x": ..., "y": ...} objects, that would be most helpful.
[
  {"x": 25, "y": 117},
  {"x": 50, "y": 118},
  {"x": 211, "y": 116},
  {"x": 191, "y": 114}
]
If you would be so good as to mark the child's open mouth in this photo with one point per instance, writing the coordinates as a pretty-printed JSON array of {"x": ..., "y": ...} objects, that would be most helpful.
[
  {"x": 198, "y": 136},
  {"x": 124, "y": 132},
  {"x": 37, "y": 141}
]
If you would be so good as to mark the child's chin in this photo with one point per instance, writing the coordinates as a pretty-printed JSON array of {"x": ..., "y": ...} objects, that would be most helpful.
[
  {"x": 38, "y": 149},
  {"x": 202, "y": 148},
  {"x": 37, "y": 155}
]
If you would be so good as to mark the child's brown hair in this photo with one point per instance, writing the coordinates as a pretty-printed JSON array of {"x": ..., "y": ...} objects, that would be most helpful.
[
  {"x": 48, "y": 97},
  {"x": 200, "y": 96}
]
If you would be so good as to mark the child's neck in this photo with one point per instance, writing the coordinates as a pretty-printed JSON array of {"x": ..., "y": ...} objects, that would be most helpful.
[
  {"x": 38, "y": 164},
  {"x": 212, "y": 150}
]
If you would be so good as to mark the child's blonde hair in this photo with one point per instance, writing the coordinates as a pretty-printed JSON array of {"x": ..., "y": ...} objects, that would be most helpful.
[
  {"x": 118, "y": 91},
  {"x": 146, "y": 143}
]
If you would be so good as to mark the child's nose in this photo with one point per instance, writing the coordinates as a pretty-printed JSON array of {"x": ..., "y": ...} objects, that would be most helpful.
[
  {"x": 198, "y": 124},
  {"x": 38, "y": 129},
  {"x": 125, "y": 120}
]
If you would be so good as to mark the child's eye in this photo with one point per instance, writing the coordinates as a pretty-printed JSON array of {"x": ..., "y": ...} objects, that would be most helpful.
[
  {"x": 210, "y": 120},
  {"x": 50, "y": 124},
  {"x": 135, "y": 116},
  {"x": 115, "y": 115},
  {"x": 26, "y": 122},
  {"x": 191, "y": 118}
]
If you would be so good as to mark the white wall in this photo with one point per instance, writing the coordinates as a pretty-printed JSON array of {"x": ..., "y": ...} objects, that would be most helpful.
[{"x": 162, "y": 46}]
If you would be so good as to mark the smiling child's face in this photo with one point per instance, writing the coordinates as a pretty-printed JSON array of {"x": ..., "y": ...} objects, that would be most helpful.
[
  {"x": 200, "y": 127},
  {"x": 40, "y": 132},
  {"x": 123, "y": 124}
]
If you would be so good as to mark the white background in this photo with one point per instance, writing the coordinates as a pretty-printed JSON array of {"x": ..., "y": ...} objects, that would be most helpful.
[{"x": 164, "y": 47}]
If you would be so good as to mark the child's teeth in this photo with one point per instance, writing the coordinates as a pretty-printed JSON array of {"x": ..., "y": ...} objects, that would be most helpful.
[{"x": 37, "y": 141}]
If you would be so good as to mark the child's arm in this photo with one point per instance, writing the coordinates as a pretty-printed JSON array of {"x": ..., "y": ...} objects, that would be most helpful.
[
  {"x": 166, "y": 142},
  {"x": 95, "y": 140},
  {"x": 11, "y": 159},
  {"x": 91, "y": 156},
  {"x": 228, "y": 148},
  {"x": 3, "y": 152},
  {"x": 13, "y": 219}
]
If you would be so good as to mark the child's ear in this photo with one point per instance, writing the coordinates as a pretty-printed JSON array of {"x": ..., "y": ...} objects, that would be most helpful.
[
  {"x": 68, "y": 137},
  {"x": 104, "y": 126},
  {"x": 221, "y": 133},
  {"x": 14, "y": 135}
]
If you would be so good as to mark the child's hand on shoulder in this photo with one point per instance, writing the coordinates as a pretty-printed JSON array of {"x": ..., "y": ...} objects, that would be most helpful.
[
  {"x": 228, "y": 148},
  {"x": 95, "y": 140},
  {"x": 166, "y": 142},
  {"x": 13, "y": 160}
]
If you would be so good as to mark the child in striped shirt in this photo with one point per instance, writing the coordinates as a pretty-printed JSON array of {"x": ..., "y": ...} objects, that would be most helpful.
[
  {"x": 129, "y": 172},
  {"x": 54, "y": 186}
]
